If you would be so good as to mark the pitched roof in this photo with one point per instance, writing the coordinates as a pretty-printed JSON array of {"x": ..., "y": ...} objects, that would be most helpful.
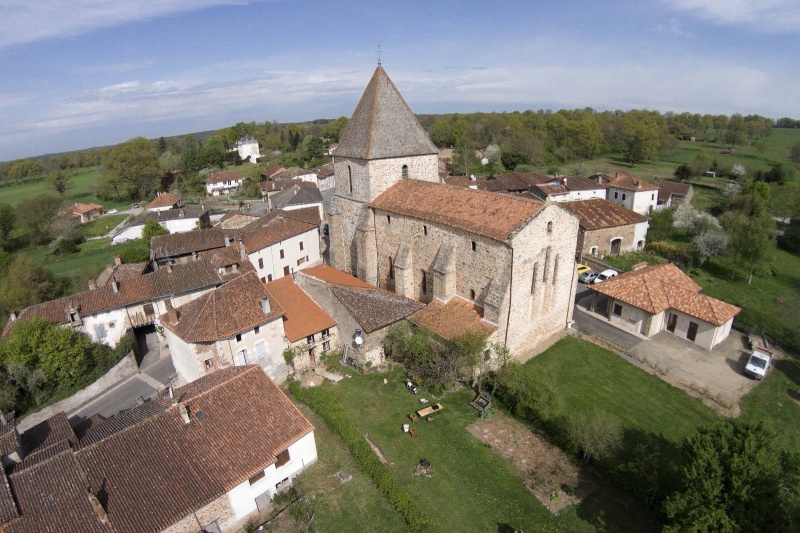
[
  {"x": 224, "y": 312},
  {"x": 623, "y": 180},
  {"x": 659, "y": 287},
  {"x": 296, "y": 195},
  {"x": 383, "y": 125},
  {"x": 329, "y": 274},
  {"x": 79, "y": 209},
  {"x": 272, "y": 170},
  {"x": 463, "y": 181},
  {"x": 302, "y": 316},
  {"x": 597, "y": 213},
  {"x": 278, "y": 185},
  {"x": 234, "y": 220},
  {"x": 239, "y": 421},
  {"x": 672, "y": 188},
  {"x": 514, "y": 181},
  {"x": 164, "y": 199},
  {"x": 222, "y": 176},
  {"x": 496, "y": 216},
  {"x": 176, "y": 244},
  {"x": 374, "y": 308},
  {"x": 326, "y": 170},
  {"x": 452, "y": 319},
  {"x": 277, "y": 229},
  {"x": 179, "y": 279}
]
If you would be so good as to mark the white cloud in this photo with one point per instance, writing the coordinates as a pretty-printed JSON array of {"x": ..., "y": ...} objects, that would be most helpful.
[
  {"x": 25, "y": 21},
  {"x": 672, "y": 27},
  {"x": 769, "y": 16}
]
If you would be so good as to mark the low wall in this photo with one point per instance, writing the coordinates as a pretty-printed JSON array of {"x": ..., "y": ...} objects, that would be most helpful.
[{"x": 126, "y": 368}]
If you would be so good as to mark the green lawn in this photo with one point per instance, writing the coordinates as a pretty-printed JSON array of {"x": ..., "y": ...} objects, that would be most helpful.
[
  {"x": 82, "y": 188},
  {"x": 775, "y": 403},
  {"x": 355, "y": 506},
  {"x": 91, "y": 257},
  {"x": 99, "y": 227}
]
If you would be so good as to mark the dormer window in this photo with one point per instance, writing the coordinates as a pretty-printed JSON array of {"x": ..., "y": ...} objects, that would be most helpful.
[{"x": 404, "y": 171}]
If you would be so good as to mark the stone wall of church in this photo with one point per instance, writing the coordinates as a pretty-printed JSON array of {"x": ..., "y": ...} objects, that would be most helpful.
[
  {"x": 544, "y": 278},
  {"x": 386, "y": 172},
  {"x": 345, "y": 216},
  {"x": 476, "y": 265}
]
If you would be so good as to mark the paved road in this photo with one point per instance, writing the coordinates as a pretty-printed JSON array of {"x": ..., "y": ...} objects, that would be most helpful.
[{"x": 126, "y": 394}]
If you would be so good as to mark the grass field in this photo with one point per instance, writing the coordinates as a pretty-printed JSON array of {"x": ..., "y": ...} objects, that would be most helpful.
[
  {"x": 87, "y": 262},
  {"x": 82, "y": 188}
]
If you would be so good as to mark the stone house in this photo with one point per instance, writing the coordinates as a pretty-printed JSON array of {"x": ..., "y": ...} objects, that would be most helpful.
[
  {"x": 394, "y": 225},
  {"x": 308, "y": 330},
  {"x": 209, "y": 459},
  {"x": 297, "y": 196},
  {"x": 85, "y": 212},
  {"x": 651, "y": 299},
  {"x": 176, "y": 248},
  {"x": 106, "y": 313},
  {"x": 223, "y": 182},
  {"x": 673, "y": 193},
  {"x": 235, "y": 325},
  {"x": 567, "y": 189},
  {"x": 363, "y": 313},
  {"x": 606, "y": 228},
  {"x": 630, "y": 192}
]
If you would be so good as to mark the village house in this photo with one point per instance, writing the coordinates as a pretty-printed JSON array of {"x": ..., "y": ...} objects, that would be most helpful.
[
  {"x": 271, "y": 171},
  {"x": 629, "y": 192},
  {"x": 119, "y": 271},
  {"x": 268, "y": 188},
  {"x": 248, "y": 149},
  {"x": 108, "y": 312},
  {"x": 210, "y": 458},
  {"x": 180, "y": 220},
  {"x": 164, "y": 201},
  {"x": 567, "y": 189},
  {"x": 606, "y": 228},
  {"x": 326, "y": 177},
  {"x": 309, "y": 331},
  {"x": 295, "y": 173},
  {"x": 363, "y": 313},
  {"x": 223, "y": 182},
  {"x": 234, "y": 325},
  {"x": 297, "y": 196},
  {"x": 672, "y": 194},
  {"x": 85, "y": 212},
  {"x": 651, "y": 299},
  {"x": 395, "y": 226}
]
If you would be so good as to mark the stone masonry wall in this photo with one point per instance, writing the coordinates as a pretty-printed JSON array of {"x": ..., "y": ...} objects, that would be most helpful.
[
  {"x": 602, "y": 239},
  {"x": 219, "y": 510}
]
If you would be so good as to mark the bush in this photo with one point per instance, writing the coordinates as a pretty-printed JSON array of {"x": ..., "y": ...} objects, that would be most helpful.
[
  {"x": 678, "y": 254},
  {"x": 324, "y": 403}
]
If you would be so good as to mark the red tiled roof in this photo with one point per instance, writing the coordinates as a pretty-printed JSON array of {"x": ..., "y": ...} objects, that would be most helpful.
[
  {"x": 79, "y": 209},
  {"x": 302, "y": 316},
  {"x": 660, "y": 287},
  {"x": 164, "y": 199},
  {"x": 225, "y": 175},
  {"x": 452, "y": 319},
  {"x": 224, "y": 312},
  {"x": 514, "y": 181},
  {"x": 177, "y": 244},
  {"x": 272, "y": 170},
  {"x": 597, "y": 213},
  {"x": 478, "y": 212},
  {"x": 623, "y": 180},
  {"x": 337, "y": 277},
  {"x": 278, "y": 229}
]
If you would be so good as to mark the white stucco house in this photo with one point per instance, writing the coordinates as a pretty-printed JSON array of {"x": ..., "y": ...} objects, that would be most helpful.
[
  {"x": 651, "y": 299},
  {"x": 179, "y": 220},
  {"x": 224, "y": 182},
  {"x": 630, "y": 192},
  {"x": 248, "y": 149}
]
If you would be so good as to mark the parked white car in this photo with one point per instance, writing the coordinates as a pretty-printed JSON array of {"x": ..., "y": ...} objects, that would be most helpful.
[
  {"x": 605, "y": 274},
  {"x": 758, "y": 363},
  {"x": 112, "y": 212}
]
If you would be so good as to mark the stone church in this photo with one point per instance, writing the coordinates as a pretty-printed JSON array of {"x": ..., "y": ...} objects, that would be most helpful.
[{"x": 509, "y": 261}]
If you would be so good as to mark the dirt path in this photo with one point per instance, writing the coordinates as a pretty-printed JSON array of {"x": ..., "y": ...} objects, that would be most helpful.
[{"x": 548, "y": 473}]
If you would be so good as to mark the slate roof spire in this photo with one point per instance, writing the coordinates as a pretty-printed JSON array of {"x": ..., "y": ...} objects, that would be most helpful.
[{"x": 383, "y": 126}]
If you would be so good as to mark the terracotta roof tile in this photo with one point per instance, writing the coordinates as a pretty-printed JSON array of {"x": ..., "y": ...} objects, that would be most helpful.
[
  {"x": 177, "y": 244},
  {"x": 225, "y": 175},
  {"x": 597, "y": 213},
  {"x": 514, "y": 181},
  {"x": 672, "y": 188},
  {"x": 452, "y": 319},
  {"x": 222, "y": 313},
  {"x": 383, "y": 125},
  {"x": 164, "y": 199},
  {"x": 337, "y": 277},
  {"x": 660, "y": 287},
  {"x": 375, "y": 308},
  {"x": 623, "y": 180},
  {"x": 277, "y": 230},
  {"x": 302, "y": 316},
  {"x": 47, "y": 433},
  {"x": 478, "y": 212},
  {"x": 80, "y": 209}
]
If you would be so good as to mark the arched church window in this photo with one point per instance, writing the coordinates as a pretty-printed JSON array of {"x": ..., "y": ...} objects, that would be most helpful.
[{"x": 405, "y": 171}]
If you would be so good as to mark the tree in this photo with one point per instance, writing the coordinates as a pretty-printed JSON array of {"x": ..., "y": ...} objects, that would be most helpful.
[
  {"x": 333, "y": 130},
  {"x": 8, "y": 218},
  {"x": 736, "y": 132},
  {"x": 529, "y": 395},
  {"x": 643, "y": 136},
  {"x": 738, "y": 171},
  {"x": 684, "y": 172},
  {"x": 59, "y": 181},
  {"x": 152, "y": 229},
  {"x": 684, "y": 217},
  {"x": 711, "y": 243},
  {"x": 752, "y": 231},
  {"x": 597, "y": 434},
  {"x": 34, "y": 216},
  {"x": 131, "y": 167},
  {"x": 27, "y": 283},
  {"x": 794, "y": 155},
  {"x": 733, "y": 481}
]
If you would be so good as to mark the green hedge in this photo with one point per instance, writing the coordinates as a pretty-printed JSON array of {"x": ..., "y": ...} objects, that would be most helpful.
[{"x": 324, "y": 403}]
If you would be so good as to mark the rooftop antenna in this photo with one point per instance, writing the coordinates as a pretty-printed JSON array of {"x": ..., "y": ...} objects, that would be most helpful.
[{"x": 379, "y": 54}]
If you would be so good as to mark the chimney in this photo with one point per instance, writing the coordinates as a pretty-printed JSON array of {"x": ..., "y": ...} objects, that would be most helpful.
[
  {"x": 638, "y": 266},
  {"x": 181, "y": 213},
  {"x": 12, "y": 316},
  {"x": 114, "y": 284},
  {"x": 194, "y": 256},
  {"x": 169, "y": 268},
  {"x": 97, "y": 507},
  {"x": 184, "y": 413},
  {"x": 92, "y": 285},
  {"x": 242, "y": 251},
  {"x": 117, "y": 260},
  {"x": 227, "y": 241},
  {"x": 265, "y": 306},
  {"x": 172, "y": 313},
  {"x": 565, "y": 181}
]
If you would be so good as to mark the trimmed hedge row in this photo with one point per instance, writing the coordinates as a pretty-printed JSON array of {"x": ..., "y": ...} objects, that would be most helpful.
[{"x": 324, "y": 403}]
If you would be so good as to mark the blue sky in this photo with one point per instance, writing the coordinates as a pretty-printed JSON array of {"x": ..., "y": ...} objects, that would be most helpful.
[{"x": 83, "y": 73}]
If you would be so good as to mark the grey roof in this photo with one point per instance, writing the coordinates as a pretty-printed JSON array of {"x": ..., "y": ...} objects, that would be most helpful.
[
  {"x": 374, "y": 308},
  {"x": 383, "y": 125},
  {"x": 296, "y": 195}
]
